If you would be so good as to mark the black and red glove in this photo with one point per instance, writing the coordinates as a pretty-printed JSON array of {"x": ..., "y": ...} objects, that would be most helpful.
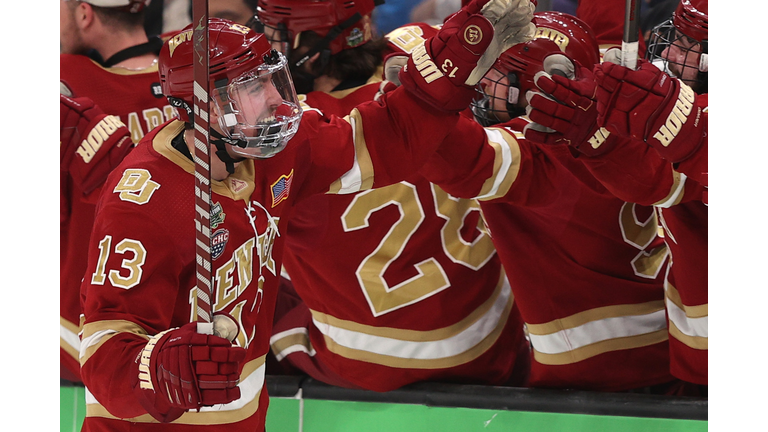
[
  {"x": 92, "y": 142},
  {"x": 181, "y": 369},
  {"x": 444, "y": 69},
  {"x": 566, "y": 113},
  {"x": 649, "y": 105}
]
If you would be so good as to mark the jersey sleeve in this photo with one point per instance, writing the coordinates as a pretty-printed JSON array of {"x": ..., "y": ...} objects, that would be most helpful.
[
  {"x": 378, "y": 143},
  {"x": 635, "y": 172},
  {"x": 494, "y": 164},
  {"x": 133, "y": 269}
]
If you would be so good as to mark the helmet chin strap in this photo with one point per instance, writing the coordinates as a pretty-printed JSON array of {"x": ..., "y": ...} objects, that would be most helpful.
[
  {"x": 219, "y": 140},
  {"x": 221, "y": 150}
]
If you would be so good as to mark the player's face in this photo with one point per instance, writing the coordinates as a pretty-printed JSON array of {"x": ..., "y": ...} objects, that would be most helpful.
[
  {"x": 683, "y": 57},
  {"x": 497, "y": 86},
  {"x": 258, "y": 100},
  {"x": 70, "y": 40}
]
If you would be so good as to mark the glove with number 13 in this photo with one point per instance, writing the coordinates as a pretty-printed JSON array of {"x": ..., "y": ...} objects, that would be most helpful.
[
  {"x": 443, "y": 70},
  {"x": 649, "y": 105}
]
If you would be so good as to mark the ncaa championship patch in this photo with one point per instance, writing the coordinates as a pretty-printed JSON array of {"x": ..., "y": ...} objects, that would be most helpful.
[
  {"x": 217, "y": 215},
  {"x": 219, "y": 242},
  {"x": 281, "y": 188}
]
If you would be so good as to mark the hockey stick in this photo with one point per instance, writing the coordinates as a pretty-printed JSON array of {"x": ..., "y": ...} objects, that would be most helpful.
[
  {"x": 202, "y": 168},
  {"x": 630, "y": 42}
]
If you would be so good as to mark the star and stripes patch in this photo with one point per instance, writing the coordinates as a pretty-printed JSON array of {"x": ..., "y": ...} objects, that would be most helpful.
[{"x": 281, "y": 188}]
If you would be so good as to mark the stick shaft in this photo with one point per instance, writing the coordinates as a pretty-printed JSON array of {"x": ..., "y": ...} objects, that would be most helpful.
[
  {"x": 202, "y": 167},
  {"x": 630, "y": 42}
]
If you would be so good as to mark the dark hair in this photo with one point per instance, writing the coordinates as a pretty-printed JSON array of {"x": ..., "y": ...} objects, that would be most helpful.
[
  {"x": 118, "y": 17},
  {"x": 355, "y": 63},
  {"x": 253, "y": 4}
]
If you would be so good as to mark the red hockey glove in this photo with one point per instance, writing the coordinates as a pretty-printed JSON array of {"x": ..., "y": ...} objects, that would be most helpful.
[
  {"x": 92, "y": 143},
  {"x": 443, "y": 70},
  {"x": 181, "y": 369},
  {"x": 649, "y": 105},
  {"x": 566, "y": 113}
]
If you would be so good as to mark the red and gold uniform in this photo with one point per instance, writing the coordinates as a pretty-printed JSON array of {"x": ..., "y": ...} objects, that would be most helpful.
[
  {"x": 140, "y": 278},
  {"x": 634, "y": 171},
  {"x": 399, "y": 285},
  {"x": 135, "y": 97},
  {"x": 586, "y": 268},
  {"x": 606, "y": 19}
]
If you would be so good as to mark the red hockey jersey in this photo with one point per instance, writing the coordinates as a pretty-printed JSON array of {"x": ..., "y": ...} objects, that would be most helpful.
[
  {"x": 135, "y": 97},
  {"x": 401, "y": 282},
  {"x": 585, "y": 267},
  {"x": 606, "y": 19},
  {"x": 140, "y": 277},
  {"x": 635, "y": 172}
]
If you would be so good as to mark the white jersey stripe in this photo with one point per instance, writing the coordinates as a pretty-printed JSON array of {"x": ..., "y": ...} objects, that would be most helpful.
[
  {"x": 600, "y": 330},
  {"x": 452, "y": 346},
  {"x": 696, "y": 327}
]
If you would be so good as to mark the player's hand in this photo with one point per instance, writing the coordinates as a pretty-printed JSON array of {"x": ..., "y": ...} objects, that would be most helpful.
[
  {"x": 649, "y": 105},
  {"x": 180, "y": 369},
  {"x": 443, "y": 70},
  {"x": 393, "y": 63},
  {"x": 92, "y": 142},
  {"x": 565, "y": 112}
]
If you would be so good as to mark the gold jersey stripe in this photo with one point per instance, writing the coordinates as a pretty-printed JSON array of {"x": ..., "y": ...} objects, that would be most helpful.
[
  {"x": 238, "y": 186},
  {"x": 197, "y": 418},
  {"x": 677, "y": 190},
  {"x": 415, "y": 335},
  {"x": 595, "y": 314},
  {"x": 698, "y": 311},
  {"x": 69, "y": 349},
  {"x": 116, "y": 327},
  {"x": 510, "y": 143},
  {"x": 74, "y": 328},
  {"x": 615, "y": 344},
  {"x": 117, "y": 70},
  {"x": 362, "y": 156},
  {"x": 440, "y": 363},
  {"x": 286, "y": 342},
  {"x": 695, "y": 342}
]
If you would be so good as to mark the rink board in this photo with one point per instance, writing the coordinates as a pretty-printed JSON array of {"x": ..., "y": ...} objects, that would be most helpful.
[{"x": 304, "y": 405}]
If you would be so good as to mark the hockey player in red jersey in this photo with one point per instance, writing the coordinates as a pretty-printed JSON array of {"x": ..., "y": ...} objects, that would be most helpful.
[
  {"x": 606, "y": 19},
  {"x": 91, "y": 144},
  {"x": 418, "y": 292},
  {"x": 628, "y": 100},
  {"x": 586, "y": 268},
  {"x": 140, "y": 360},
  {"x": 642, "y": 116},
  {"x": 125, "y": 86},
  {"x": 106, "y": 56}
]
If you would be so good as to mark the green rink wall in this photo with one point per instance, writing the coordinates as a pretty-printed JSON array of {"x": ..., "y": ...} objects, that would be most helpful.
[{"x": 304, "y": 405}]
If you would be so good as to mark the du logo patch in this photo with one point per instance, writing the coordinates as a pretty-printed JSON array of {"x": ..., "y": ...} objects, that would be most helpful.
[
  {"x": 281, "y": 188},
  {"x": 219, "y": 242}
]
